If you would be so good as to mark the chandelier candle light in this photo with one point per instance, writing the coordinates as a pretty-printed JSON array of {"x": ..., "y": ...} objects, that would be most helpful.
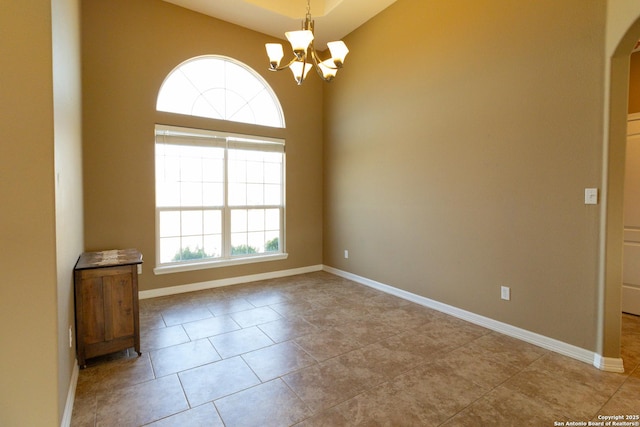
[{"x": 302, "y": 45}]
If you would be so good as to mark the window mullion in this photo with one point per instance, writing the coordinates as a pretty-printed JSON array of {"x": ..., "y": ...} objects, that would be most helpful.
[{"x": 226, "y": 213}]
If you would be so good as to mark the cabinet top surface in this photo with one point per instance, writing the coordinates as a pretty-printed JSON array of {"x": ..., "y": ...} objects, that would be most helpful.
[{"x": 108, "y": 258}]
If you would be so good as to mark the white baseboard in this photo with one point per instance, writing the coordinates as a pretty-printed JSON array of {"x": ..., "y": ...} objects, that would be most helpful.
[
  {"x": 606, "y": 364},
  {"x": 173, "y": 290},
  {"x": 71, "y": 396}
]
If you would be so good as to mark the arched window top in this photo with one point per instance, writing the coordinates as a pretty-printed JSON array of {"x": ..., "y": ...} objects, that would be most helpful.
[{"x": 220, "y": 88}]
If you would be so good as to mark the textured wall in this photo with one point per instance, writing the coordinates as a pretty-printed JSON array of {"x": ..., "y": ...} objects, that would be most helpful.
[{"x": 458, "y": 143}]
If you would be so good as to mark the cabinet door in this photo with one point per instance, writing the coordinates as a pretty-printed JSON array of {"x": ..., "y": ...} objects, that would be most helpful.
[
  {"x": 93, "y": 328},
  {"x": 118, "y": 297}
]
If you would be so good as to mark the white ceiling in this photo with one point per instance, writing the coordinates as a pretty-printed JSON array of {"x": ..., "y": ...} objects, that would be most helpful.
[{"x": 334, "y": 19}]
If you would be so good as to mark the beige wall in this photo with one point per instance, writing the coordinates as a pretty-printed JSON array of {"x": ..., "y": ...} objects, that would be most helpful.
[
  {"x": 128, "y": 50},
  {"x": 28, "y": 308},
  {"x": 41, "y": 193},
  {"x": 458, "y": 143},
  {"x": 68, "y": 176}
]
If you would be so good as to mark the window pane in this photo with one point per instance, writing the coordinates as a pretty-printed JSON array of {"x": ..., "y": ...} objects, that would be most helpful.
[
  {"x": 255, "y": 194},
  {"x": 191, "y": 169},
  {"x": 220, "y": 88},
  {"x": 168, "y": 194},
  {"x": 272, "y": 243},
  {"x": 255, "y": 220},
  {"x": 238, "y": 220},
  {"x": 169, "y": 248},
  {"x": 213, "y": 245},
  {"x": 272, "y": 195},
  {"x": 212, "y": 170},
  {"x": 255, "y": 172},
  {"x": 212, "y": 195},
  {"x": 169, "y": 224},
  {"x": 191, "y": 223},
  {"x": 256, "y": 241},
  {"x": 191, "y": 194},
  {"x": 237, "y": 171},
  {"x": 272, "y": 173},
  {"x": 272, "y": 219},
  {"x": 239, "y": 245},
  {"x": 212, "y": 222},
  {"x": 237, "y": 194},
  {"x": 192, "y": 248}
]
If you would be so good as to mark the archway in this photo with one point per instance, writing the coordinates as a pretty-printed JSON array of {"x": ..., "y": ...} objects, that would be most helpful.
[{"x": 615, "y": 120}]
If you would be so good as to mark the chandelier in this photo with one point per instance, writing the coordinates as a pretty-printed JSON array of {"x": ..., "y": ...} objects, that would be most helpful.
[{"x": 303, "y": 50}]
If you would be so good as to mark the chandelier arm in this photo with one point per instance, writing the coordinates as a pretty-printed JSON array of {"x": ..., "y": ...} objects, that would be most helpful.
[
  {"x": 316, "y": 62},
  {"x": 284, "y": 67},
  {"x": 316, "y": 58}
]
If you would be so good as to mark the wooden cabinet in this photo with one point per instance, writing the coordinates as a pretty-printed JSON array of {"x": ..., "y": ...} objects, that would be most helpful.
[{"x": 106, "y": 302}]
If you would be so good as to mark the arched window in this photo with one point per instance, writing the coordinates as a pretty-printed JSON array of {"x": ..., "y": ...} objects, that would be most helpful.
[
  {"x": 220, "y": 88},
  {"x": 219, "y": 196}
]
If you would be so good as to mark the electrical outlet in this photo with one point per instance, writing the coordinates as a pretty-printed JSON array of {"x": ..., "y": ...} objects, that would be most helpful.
[
  {"x": 346, "y": 254},
  {"x": 139, "y": 268},
  {"x": 70, "y": 337},
  {"x": 505, "y": 293}
]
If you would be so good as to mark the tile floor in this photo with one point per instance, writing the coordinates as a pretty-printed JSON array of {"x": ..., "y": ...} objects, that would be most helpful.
[{"x": 319, "y": 350}]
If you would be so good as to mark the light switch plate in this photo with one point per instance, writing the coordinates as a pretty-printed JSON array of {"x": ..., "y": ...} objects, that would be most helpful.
[
  {"x": 505, "y": 293},
  {"x": 590, "y": 196}
]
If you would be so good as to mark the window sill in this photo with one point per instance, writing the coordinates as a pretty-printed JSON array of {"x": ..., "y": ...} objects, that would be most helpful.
[{"x": 178, "y": 268}]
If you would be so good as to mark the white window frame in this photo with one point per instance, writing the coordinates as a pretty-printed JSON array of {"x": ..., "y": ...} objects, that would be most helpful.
[{"x": 181, "y": 135}]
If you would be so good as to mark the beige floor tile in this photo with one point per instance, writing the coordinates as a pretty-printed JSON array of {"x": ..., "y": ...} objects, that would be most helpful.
[
  {"x": 261, "y": 299},
  {"x": 84, "y": 410},
  {"x": 170, "y": 360},
  {"x": 366, "y": 331},
  {"x": 402, "y": 318},
  {"x": 164, "y": 337},
  {"x": 576, "y": 371},
  {"x": 277, "y": 360},
  {"x": 209, "y": 327},
  {"x": 272, "y": 404},
  {"x": 326, "y": 384},
  {"x": 151, "y": 320},
  {"x": 184, "y": 313},
  {"x": 385, "y": 406},
  {"x": 626, "y": 401},
  {"x": 391, "y": 357},
  {"x": 117, "y": 370},
  {"x": 478, "y": 366},
  {"x": 241, "y": 341},
  {"x": 293, "y": 308},
  {"x": 328, "y": 418},
  {"x": 201, "y": 416},
  {"x": 229, "y": 305},
  {"x": 577, "y": 400},
  {"x": 327, "y": 343},
  {"x": 255, "y": 316},
  {"x": 507, "y": 350},
  {"x": 286, "y": 329},
  {"x": 503, "y": 407},
  {"x": 140, "y": 404},
  {"x": 319, "y": 350},
  {"x": 215, "y": 380}
]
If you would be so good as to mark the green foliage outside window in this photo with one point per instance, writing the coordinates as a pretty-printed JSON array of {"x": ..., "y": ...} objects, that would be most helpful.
[
  {"x": 187, "y": 253},
  {"x": 272, "y": 245}
]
